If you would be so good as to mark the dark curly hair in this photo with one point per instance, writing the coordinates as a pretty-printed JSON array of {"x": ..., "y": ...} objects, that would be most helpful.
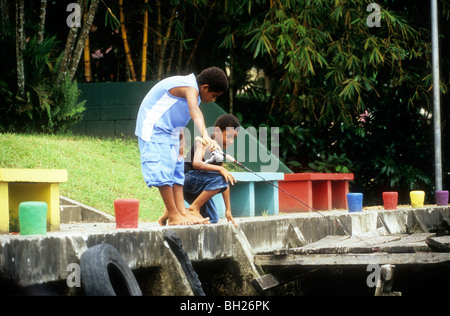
[
  {"x": 215, "y": 78},
  {"x": 227, "y": 120}
]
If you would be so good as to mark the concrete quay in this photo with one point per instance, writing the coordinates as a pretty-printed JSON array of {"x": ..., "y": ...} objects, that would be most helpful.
[{"x": 33, "y": 260}]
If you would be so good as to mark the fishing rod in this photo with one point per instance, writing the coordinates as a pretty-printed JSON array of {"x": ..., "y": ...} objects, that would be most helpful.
[{"x": 220, "y": 156}]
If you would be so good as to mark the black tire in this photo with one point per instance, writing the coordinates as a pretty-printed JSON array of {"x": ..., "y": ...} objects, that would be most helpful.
[
  {"x": 175, "y": 244},
  {"x": 105, "y": 273}
]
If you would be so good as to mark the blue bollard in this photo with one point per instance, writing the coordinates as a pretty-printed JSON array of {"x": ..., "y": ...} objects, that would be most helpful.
[{"x": 355, "y": 202}]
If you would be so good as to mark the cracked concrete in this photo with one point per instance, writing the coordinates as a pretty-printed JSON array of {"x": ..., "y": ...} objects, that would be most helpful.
[{"x": 30, "y": 260}]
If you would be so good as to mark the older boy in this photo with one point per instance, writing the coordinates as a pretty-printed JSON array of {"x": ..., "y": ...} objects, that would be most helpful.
[{"x": 163, "y": 113}]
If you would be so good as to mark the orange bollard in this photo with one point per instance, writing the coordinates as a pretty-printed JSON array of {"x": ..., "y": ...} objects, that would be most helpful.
[{"x": 127, "y": 213}]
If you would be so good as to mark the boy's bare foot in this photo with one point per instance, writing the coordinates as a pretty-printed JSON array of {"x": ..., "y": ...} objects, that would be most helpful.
[
  {"x": 199, "y": 220},
  {"x": 162, "y": 221},
  {"x": 179, "y": 219},
  {"x": 194, "y": 211},
  {"x": 182, "y": 218},
  {"x": 196, "y": 216}
]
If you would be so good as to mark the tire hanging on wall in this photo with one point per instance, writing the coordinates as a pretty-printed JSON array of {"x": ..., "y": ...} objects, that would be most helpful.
[
  {"x": 104, "y": 272},
  {"x": 175, "y": 244}
]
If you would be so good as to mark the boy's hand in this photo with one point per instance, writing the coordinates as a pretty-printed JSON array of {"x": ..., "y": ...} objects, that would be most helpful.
[
  {"x": 230, "y": 217},
  {"x": 208, "y": 142},
  {"x": 212, "y": 144},
  {"x": 227, "y": 175}
]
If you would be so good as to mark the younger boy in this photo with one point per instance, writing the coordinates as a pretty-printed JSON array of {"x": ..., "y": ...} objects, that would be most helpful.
[
  {"x": 163, "y": 113},
  {"x": 203, "y": 181}
]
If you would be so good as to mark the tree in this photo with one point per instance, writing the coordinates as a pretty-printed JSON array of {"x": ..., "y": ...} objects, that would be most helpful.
[
  {"x": 41, "y": 26},
  {"x": 162, "y": 41},
  {"x": 20, "y": 46},
  {"x": 43, "y": 98},
  {"x": 72, "y": 53},
  {"x": 67, "y": 53},
  {"x": 324, "y": 66},
  {"x": 327, "y": 61},
  {"x": 144, "y": 43},
  {"x": 4, "y": 16},
  {"x": 328, "y": 67},
  {"x": 125, "y": 42},
  {"x": 87, "y": 56}
]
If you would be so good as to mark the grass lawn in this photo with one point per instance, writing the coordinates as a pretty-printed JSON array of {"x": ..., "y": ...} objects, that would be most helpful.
[{"x": 100, "y": 170}]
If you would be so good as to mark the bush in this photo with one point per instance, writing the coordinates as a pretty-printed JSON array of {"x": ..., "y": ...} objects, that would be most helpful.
[
  {"x": 388, "y": 150},
  {"x": 44, "y": 107}
]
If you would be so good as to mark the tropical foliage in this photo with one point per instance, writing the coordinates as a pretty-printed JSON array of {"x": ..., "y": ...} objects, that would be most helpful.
[
  {"x": 349, "y": 88},
  {"x": 38, "y": 90}
]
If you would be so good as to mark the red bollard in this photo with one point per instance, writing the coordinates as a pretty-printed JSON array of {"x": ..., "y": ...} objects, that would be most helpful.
[
  {"x": 127, "y": 213},
  {"x": 390, "y": 200}
]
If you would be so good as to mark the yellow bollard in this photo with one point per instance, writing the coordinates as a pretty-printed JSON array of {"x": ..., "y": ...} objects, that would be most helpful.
[{"x": 417, "y": 198}]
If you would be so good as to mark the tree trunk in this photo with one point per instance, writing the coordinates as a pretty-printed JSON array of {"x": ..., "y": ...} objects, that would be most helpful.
[
  {"x": 87, "y": 61},
  {"x": 170, "y": 62},
  {"x": 41, "y": 26},
  {"x": 205, "y": 23},
  {"x": 231, "y": 84},
  {"x": 20, "y": 46},
  {"x": 145, "y": 43},
  {"x": 82, "y": 40},
  {"x": 87, "y": 57},
  {"x": 158, "y": 43},
  {"x": 125, "y": 42},
  {"x": 181, "y": 48},
  {"x": 67, "y": 54},
  {"x": 164, "y": 43},
  {"x": 4, "y": 9}
]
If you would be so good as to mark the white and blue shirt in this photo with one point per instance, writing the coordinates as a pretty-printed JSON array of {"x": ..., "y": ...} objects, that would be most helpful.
[{"x": 161, "y": 115}]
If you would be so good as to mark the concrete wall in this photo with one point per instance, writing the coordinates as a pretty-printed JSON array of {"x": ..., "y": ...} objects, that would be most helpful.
[
  {"x": 32, "y": 260},
  {"x": 111, "y": 108}
]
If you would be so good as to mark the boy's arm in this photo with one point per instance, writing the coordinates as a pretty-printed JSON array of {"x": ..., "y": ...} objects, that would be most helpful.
[
  {"x": 194, "y": 110},
  {"x": 198, "y": 164},
  {"x": 191, "y": 95},
  {"x": 226, "y": 199}
]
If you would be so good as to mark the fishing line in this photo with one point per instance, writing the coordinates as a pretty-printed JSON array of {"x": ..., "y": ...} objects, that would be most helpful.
[{"x": 232, "y": 159}]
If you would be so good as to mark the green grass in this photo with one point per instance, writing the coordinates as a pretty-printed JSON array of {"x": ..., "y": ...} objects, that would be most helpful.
[{"x": 100, "y": 170}]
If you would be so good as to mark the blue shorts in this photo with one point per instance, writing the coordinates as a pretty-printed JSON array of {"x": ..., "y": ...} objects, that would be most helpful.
[
  {"x": 161, "y": 163},
  {"x": 198, "y": 181}
]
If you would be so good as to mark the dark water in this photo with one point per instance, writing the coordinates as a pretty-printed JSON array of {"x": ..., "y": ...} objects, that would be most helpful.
[{"x": 409, "y": 280}]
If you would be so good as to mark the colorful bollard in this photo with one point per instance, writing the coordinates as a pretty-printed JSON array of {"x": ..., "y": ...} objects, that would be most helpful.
[
  {"x": 417, "y": 198},
  {"x": 127, "y": 213},
  {"x": 441, "y": 198},
  {"x": 355, "y": 202},
  {"x": 390, "y": 200},
  {"x": 33, "y": 218}
]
